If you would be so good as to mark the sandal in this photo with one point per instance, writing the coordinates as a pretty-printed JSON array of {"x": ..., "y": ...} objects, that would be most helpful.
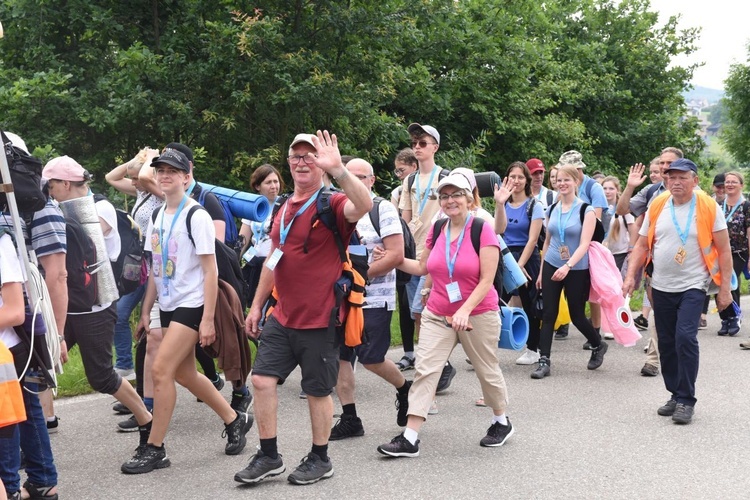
[
  {"x": 39, "y": 492},
  {"x": 480, "y": 402}
]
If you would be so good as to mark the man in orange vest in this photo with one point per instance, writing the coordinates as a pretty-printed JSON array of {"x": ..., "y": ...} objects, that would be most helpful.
[{"x": 684, "y": 237}]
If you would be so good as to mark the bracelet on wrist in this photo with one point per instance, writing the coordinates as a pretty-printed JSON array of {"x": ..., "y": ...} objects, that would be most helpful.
[
  {"x": 425, "y": 291},
  {"x": 341, "y": 175}
]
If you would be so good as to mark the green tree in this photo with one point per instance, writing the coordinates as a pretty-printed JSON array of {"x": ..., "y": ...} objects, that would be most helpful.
[{"x": 736, "y": 131}]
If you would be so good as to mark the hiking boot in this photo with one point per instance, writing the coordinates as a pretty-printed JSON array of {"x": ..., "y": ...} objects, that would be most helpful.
[
  {"x": 667, "y": 409},
  {"x": 235, "y": 433},
  {"x": 641, "y": 323},
  {"x": 683, "y": 414},
  {"x": 400, "y": 447},
  {"x": 497, "y": 434},
  {"x": 561, "y": 333},
  {"x": 724, "y": 328},
  {"x": 649, "y": 370},
  {"x": 37, "y": 492},
  {"x": 445, "y": 378},
  {"x": 146, "y": 459},
  {"x": 121, "y": 409},
  {"x": 347, "y": 426},
  {"x": 52, "y": 425},
  {"x": 311, "y": 469},
  {"x": 528, "y": 358},
  {"x": 733, "y": 326},
  {"x": 405, "y": 363},
  {"x": 597, "y": 356},
  {"x": 402, "y": 405},
  {"x": 128, "y": 425},
  {"x": 260, "y": 467},
  {"x": 703, "y": 324},
  {"x": 240, "y": 403},
  {"x": 542, "y": 369}
]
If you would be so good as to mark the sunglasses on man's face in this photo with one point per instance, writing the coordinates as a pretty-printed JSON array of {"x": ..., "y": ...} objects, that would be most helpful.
[{"x": 422, "y": 143}]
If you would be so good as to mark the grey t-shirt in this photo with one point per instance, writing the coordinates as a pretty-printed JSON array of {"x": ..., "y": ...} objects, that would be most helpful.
[
  {"x": 669, "y": 276},
  {"x": 639, "y": 204}
]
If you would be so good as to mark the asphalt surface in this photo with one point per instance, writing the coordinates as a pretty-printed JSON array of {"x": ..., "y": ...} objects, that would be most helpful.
[{"x": 578, "y": 434}]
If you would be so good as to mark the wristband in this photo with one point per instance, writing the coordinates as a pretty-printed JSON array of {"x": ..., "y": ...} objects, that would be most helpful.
[
  {"x": 342, "y": 175},
  {"x": 425, "y": 291},
  {"x": 569, "y": 266}
]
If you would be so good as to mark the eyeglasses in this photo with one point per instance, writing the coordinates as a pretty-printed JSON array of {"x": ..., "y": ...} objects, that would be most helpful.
[
  {"x": 399, "y": 171},
  {"x": 362, "y": 177},
  {"x": 730, "y": 183},
  {"x": 294, "y": 160},
  {"x": 453, "y": 196},
  {"x": 421, "y": 144}
]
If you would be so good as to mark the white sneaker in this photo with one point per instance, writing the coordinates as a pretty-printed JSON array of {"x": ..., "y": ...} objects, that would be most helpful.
[
  {"x": 433, "y": 408},
  {"x": 608, "y": 335},
  {"x": 528, "y": 358},
  {"x": 126, "y": 374}
]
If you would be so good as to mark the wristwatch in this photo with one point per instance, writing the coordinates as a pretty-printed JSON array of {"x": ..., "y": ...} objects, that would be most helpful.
[
  {"x": 425, "y": 291},
  {"x": 569, "y": 266}
]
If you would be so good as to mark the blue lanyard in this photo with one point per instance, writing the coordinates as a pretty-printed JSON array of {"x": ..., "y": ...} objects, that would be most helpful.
[
  {"x": 423, "y": 199},
  {"x": 734, "y": 208},
  {"x": 283, "y": 228},
  {"x": 683, "y": 233},
  {"x": 560, "y": 226},
  {"x": 451, "y": 262},
  {"x": 165, "y": 243}
]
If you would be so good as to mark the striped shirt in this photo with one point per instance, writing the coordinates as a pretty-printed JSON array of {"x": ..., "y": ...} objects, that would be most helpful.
[{"x": 47, "y": 230}]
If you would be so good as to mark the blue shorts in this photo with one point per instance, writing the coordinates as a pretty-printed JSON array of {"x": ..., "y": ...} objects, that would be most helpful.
[
  {"x": 377, "y": 335},
  {"x": 416, "y": 306}
]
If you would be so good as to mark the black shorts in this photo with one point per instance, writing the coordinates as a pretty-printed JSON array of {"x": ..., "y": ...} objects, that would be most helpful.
[
  {"x": 316, "y": 352},
  {"x": 377, "y": 335},
  {"x": 188, "y": 316}
]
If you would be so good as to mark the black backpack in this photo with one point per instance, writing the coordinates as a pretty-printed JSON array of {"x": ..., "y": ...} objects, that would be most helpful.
[
  {"x": 410, "y": 246},
  {"x": 476, "y": 234},
  {"x": 410, "y": 180},
  {"x": 25, "y": 176},
  {"x": 127, "y": 267},
  {"x": 529, "y": 212},
  {"x": 598, "y": 235},
  {"x": 81, "y": 264}
]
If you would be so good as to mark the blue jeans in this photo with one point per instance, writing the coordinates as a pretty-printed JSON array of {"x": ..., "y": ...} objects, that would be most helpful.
[
  {"x": 123, "y": 335},
  {"x": 30, "y": 436},
  {"x": 677, "y": 316}
]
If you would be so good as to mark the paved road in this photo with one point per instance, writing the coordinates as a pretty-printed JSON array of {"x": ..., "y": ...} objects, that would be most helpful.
[{"x": 579, "y": 434}]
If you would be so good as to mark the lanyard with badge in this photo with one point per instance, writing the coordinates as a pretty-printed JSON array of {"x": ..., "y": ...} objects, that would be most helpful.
[
  {"x": 422, "y": 198},
  {"x": 728, "y": 216},
  {"x": 454, "y": 293},
  {"x": 683, "y": 234},
  {"x": 273, "y": 260},
  {"x": 167, "y": 266},
  {"x": 564, "y": 250}
]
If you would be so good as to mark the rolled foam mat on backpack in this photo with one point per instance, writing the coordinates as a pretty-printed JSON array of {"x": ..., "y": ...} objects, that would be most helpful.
[
  {"x": 486, "y": 182},
  {"x": 514, "y": 330},
  {"x": 243, "y": 205},
  {"x": 513, "y": 276}
]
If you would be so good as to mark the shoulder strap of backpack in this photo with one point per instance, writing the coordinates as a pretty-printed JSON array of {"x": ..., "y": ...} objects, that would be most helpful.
[
  {"x": 375, "y": 214},
  {"x": 476, "y": 233},
  {"x": 280, "y": 200},
  {"x": 652, "y": 191},
  {"x": 550, "y": 197},
  {"x": 530, "y": 207},
  {"x": 202, "y": 196},
  {"x": 328, "y": 217},
  {"x": 410, "y": 180},
  {"x": 139, "y": 205},
  {"x": 189, "y": 217},
  {"x": 437, "y": 228},
  {"x": 583, "y": 211}
]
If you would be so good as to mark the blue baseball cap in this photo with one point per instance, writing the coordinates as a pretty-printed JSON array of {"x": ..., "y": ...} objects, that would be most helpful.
[{"x": 684, "y": 165}]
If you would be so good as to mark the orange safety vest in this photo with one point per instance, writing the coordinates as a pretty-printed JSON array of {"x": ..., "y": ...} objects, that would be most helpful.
[
  {"x": 12, "y": 410},
  {"x": 705, "y": 217}
]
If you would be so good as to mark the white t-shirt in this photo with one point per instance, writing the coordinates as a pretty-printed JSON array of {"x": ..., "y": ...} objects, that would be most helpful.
[
  {"x": 382, "y": 290},
  {"x": 10, "y": 272},
  {"x": 669, "y": 276},
  {"x": 185, "y": 283}
]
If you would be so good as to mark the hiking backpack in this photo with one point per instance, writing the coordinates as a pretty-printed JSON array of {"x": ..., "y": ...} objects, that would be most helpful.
[
  {"x": 598, "y": 235},
  {"x": 127, "y": 267},
  {"x": 81, "y": 264},
  {"x": 25, "y": 177},
  {"x": 410, "y": 246}
]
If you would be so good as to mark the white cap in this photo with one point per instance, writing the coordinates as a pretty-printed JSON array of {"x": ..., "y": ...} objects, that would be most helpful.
[
  {"x": 458, "y": 180},
  {"x": 306, "y": 138}
]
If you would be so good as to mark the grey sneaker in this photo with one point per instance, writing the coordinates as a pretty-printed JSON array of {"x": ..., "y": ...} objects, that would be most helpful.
[
  {"x": 128, "y": 425},
  {"x": 497, "y": 434},
  {"x": 683, "y": 414},
  {"x": 347, "y": 426},
  {"x": 400, "y": 447},
  {"x": 235, "y": 433},
  {"x": 542, "y": 368},
  {"x": 146, "y": 459},
  {"x": 260, "y": 467},
  {"x": 311, "y": 469},
  {"x": 667, "y": 409}
]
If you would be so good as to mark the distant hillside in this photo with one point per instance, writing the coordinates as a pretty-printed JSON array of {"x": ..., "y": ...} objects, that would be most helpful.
[{"x": 701, "y": 93}]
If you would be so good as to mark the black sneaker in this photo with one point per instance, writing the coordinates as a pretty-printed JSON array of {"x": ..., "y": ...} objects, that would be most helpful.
[
  {"x": 446, "y": 377},
  {"x": 402, "y": 405},
  {"x": 128, "y": 425},
  {"x": 542, "y": 368},
  {"x": 121, "y": 409},
  {"x": 347, "y": 426},
  {"x": 240, "y": 403},
  {"x": 597, "y": 356},
  {"x": 561, "y": 333},
  {"x": 683, "y": 414},
  {"x": 497, "y": 434},
  {"x": 667, "y": 409},
  {"x": 235, "y": 433},
  {"x": 587, "y": 346},
  {"x": 260, "y": 467},
  {"x": 146, "y": 459},
  {"x": 311, "y": 469},
  {"x": 641, "y": 323},
  {"x": 52, "y": 425},
  {"x": 400, "y": 447},
  {"x": 724, "y": 330}
]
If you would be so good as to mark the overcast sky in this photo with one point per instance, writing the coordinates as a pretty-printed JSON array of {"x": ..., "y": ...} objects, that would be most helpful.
[{"x": 723, "y": 37}]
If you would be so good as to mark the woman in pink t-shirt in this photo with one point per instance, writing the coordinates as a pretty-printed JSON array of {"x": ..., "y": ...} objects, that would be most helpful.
[{"x": 462, "y": 306}]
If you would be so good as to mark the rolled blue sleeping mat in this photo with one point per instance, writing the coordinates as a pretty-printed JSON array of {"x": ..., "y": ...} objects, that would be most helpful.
[
  {"x": 513, "y": 276},
  {"x": 514, "y": 331},
  {"x": 486, "y": 182},
  {"x": 243, "y": 205}
]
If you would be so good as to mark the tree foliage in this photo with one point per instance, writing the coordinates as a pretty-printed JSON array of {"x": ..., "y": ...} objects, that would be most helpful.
[
  {"x": 736, "y": 131},
  {"x": 236, "y": 80}
]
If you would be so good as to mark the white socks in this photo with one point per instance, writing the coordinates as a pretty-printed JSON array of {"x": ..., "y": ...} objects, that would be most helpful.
[
  {"x": 502, "y": 419},
  {"x": 411, "y": 435}
]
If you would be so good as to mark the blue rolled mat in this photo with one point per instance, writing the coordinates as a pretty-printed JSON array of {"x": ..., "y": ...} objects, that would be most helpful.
[
  {"x": 243, "y": 205},
  {"x": 514, "y": 331},
  {"x": 513, "y": 276}
]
